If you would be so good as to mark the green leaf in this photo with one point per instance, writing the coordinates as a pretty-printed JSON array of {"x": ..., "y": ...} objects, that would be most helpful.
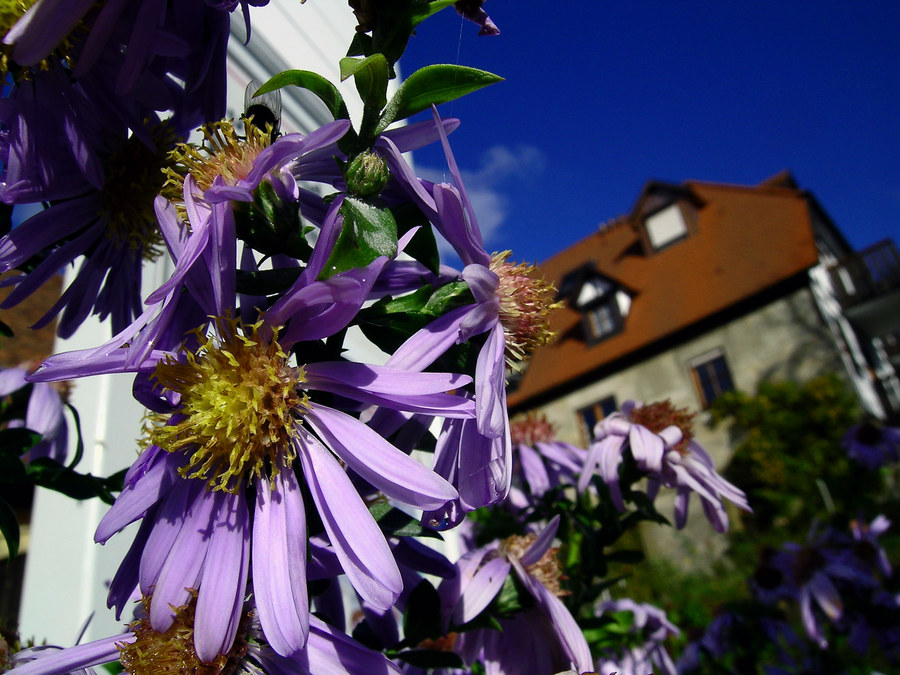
[
  {"x": 433, "y": 85},
  {"x": 430, "y": 9},
  {"x": 509, "y": 600},
  {"x": 430, "y": 658},
  {"x": 368, "y": 232},
  {"x": 370, "y": 75},
  {"x": 318, "y": 85},
  {"x": 9, "y": 527}
]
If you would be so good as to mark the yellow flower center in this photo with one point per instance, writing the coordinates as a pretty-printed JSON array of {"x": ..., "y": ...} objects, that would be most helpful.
[
  {"x": 221, "y": 153},
  {"x": 525, "y": 306},
  {"x": 134, "y": 176},
  {"x": 173, "y": 652},
  {"x": 240, "y": 401}
]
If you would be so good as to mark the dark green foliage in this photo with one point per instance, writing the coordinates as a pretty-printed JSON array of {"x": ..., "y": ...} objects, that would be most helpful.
[{"x": 789, "y": 459}]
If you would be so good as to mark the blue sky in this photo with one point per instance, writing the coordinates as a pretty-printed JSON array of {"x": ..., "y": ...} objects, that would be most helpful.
[{"x": 602, "y": 95}]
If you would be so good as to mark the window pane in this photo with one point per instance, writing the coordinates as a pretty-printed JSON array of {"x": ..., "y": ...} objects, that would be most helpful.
[{"x": 712, "y": 378}]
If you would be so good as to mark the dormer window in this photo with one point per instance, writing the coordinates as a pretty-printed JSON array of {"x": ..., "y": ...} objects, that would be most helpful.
[
  {"x": 666, "y": 226},
  {"x": 665, "y": 214},
  {"x": 602, "y": 302}
]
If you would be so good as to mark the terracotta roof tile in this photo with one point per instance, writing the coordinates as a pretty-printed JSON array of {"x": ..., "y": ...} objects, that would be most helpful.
[{"x": 747, "y": 239}]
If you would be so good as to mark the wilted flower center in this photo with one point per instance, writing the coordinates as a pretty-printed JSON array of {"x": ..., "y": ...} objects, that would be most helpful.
[
  {"x": 134, "y": 176},
  {"x": 531, "y": 428},
  {"x": 546, "y": 570},
  {"x": 240, "y": 401},
  {"x": 525, "y": 306},
  {"x": 154, "y": 653},
  {"x": 658, "y": 416},
  {"x": 223, "y": 152}
]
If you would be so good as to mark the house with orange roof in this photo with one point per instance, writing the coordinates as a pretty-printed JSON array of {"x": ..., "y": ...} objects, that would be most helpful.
[
  {"x": 702, "y": 288},
  {"x": 705, "y": 287}
]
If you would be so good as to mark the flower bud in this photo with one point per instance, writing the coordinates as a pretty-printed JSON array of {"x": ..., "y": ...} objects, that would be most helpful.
[{"x": 366, "y": 174}]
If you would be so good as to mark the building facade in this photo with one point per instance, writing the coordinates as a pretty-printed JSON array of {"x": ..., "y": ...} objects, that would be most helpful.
[{"x": 703, "y": 288}]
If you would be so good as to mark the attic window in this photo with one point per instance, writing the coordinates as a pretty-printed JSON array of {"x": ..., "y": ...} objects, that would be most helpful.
[{"x": 666, "y": 226}]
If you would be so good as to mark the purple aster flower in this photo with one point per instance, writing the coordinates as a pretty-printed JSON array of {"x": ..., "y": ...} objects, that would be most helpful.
[
  {"x": 811, "y": 575},
  {"x": 659, "y": 439},
  {"x": 244, "y": 418},
  {"x": 873, "y": 445},
  {"x": 540, "y": 462},
  {"x": 44, "y": 415},
  {"x": 100, "y": 207},
  {"x": 543, "y": 638},
  {"x": 651, "y": 627}
]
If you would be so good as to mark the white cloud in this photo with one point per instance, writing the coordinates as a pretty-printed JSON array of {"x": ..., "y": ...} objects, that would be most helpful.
[{"x": 488, "y": 183}]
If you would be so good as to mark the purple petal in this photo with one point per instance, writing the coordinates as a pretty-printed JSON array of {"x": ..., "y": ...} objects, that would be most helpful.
[
  {"x": 224, "y": 579},
  {"x": 490, "y": 386},
  {"x": 184, "y": 562},
  {"x": 481, "y": 590},
  {"x": 646, "y": 447},
  {"x": 81, "y": 656},
  {"x": 426, "y": 345},
  {"x": 137, "y": 497},
  {"x": 393, "y": 388},
  {"x": 533, "y": 469},
  {"x": 540, "y": 545},
  {"x": 484, "y": 467},
  {"x": 330, "y": 651},
  {"x": 279, "y": 563},
  {"x": 384, "y": 466},
  {"x": 359, "y": 544}
]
